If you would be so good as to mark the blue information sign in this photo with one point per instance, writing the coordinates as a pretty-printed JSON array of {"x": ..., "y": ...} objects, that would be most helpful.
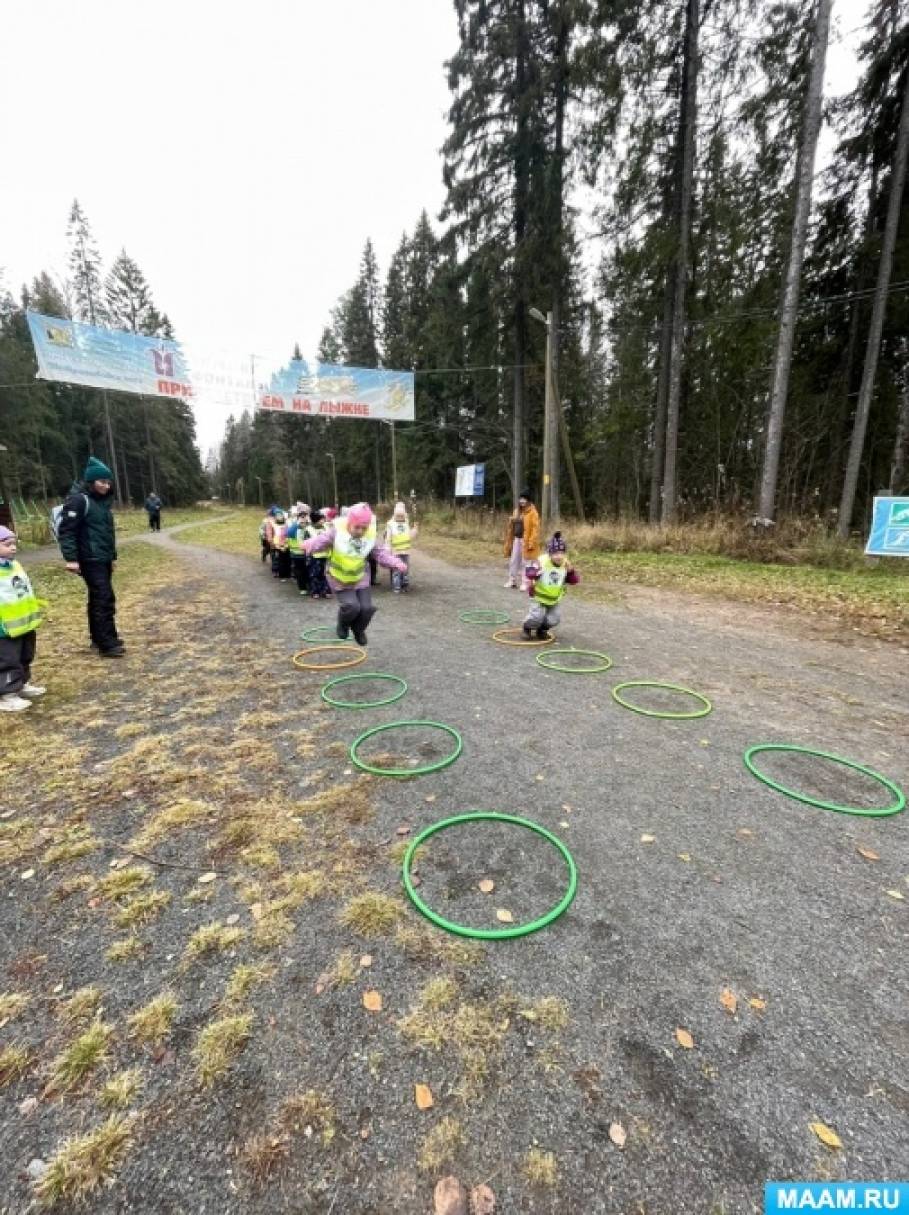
[
  {"x": 889, "y": 528},
  {"x": 479, "y": 480}
]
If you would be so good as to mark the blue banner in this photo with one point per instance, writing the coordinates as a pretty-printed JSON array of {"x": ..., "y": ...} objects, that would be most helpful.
[
  {"x": 335, "y": 391},
  {"x": 836, "y": 1196},
  {"x": 889, "y": 528}
]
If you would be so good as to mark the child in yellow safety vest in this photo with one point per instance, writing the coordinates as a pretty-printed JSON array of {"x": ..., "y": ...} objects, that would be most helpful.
[
  {"x": 548, "y": 578},
  {"x": 398, "y": 537},
  {"x": 349, "y": 541},
  {"x": 20, "y": 615},
  {"x": 315, "y": 565}
]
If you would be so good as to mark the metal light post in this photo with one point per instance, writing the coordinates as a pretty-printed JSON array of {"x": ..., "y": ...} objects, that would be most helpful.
[
  {"x": 549, "y": 506},
  {"x": 334, "y": 479},
  {"x": 394, "y": 462}
]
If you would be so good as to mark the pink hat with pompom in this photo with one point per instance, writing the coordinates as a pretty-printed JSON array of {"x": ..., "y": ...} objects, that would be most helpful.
[{"x": 359, "y": 515}]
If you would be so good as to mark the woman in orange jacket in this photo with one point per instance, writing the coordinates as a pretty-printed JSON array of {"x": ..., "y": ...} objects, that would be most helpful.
[{"x": 522, "y": 539}]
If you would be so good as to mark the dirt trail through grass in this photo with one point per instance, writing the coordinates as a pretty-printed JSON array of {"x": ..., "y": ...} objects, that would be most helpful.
[{"x": 213, "y": 993}]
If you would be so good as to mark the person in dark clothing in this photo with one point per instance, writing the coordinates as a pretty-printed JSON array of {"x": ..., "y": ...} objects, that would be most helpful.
[
  {"x": 89, "y": 547},
  {"x": 153, "y": 505}
]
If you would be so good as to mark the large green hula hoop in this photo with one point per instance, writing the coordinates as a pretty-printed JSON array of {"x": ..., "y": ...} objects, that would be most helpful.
[
  {"x": 490, "y": 934},
  {"x": 545, "y": 660},
  {"x": 329, "y": 636},
  {"x": 362, "y": 704},
  {"x": 672, "y": 687},
  {"x": 872, "y": 812},
  {"x": 395, "y": 725},
  {"x": 483, "y": 616}
]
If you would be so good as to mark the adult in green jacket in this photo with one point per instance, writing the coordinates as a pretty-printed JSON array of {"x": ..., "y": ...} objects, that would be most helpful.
[{"x": 89, "y": 546}]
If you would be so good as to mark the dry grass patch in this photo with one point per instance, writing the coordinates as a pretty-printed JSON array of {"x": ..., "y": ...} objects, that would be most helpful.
[
  {"x": 441, "y": 1145},
  {"x": 244, "y": 978},
  {"x": 79, "y": 841},
  {"x": 86, "y": 1162},
  {"x": 212, "y": 938},
  {"x": 81, "y": 1006},
  {"x": 180, "y": 815},
  {"x": 307, "y": 1112},
  {"x": 550, "y": 1013},
  {"x": 423, "y": 944},
  {"x": 12, "y": 1005},
  {"x": 123, "y": 882},
  {"x": 152, "y": 1023},
  {"x": 132, "y": 729},
  {"x": 351, "y": 801},
  {"x": 344, "y": 970},
  {"x": 272, "y": 931},
  {"x": 15, "y": 1061},
  {"x": 17, "y": 838},
  {"x": 263, "y": 1155},
  {"x": 73, "y": 1065},
  {"x": 219, "y": 1044},
  {"x": 121, "y": 1089},
  {"x": 142, "y": 909},
  {"x": 372, "y": 914},
  {"x": 125, "y": 950},
  {"x": 540, "y": 1168},
  {"x": 74, "y": 885}
]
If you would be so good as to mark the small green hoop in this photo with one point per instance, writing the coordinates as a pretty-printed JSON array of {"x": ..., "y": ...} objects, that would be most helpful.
[
  {"x": 490, "y": 934},
  {"x": 671, "y": 687},
  {"x": 872, "y": 812},
  {"x": 362, "y": 704},
  {"x": 545, "y": 660},
  {"x": 396, "y": 725},
  {"x": 483, "y": 616},
  {"x": 329, "y": 637}
]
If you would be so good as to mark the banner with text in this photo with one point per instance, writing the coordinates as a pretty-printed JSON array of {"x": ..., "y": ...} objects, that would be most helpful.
[{"x": 336, "y": 391}]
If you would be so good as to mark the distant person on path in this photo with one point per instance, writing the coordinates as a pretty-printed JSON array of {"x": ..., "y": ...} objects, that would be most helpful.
[
  {"x": 89, "y": 547},
  {"x": 399, "y": 535},
  {"x": 153, "y": 505},
  {"x": 522, "y": 539},
  {"x": 20, "y": 616},
  {"x": 350, "y": 541},
  {"x": 547, "y": 579}
]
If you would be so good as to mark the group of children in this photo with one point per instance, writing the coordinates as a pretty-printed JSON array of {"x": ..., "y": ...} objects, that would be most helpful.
[{"x": 330, "y": 553}]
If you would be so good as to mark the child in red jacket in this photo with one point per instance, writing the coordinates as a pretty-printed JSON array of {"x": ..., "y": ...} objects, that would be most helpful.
[{"x": 548, "y": 578}]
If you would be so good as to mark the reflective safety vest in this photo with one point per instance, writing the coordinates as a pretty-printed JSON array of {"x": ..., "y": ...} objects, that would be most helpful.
[
  {"x": 347, "y": 561},
  {"x": 295, "y": 542},
  {"x": 316, "y": 529},
  {"x": 20, "y": 611},
  {"x": 399, "y": 536},
  {"x": 550, "y": 586}
]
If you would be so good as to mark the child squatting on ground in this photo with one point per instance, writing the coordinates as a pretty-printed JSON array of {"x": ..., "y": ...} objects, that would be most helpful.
[
  {"x": 20, "y": 615},
  {"x": 350, "y": 540},
  {"x": 547, "y": 579}
]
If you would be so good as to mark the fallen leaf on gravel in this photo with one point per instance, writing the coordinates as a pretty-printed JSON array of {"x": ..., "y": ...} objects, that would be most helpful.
[
  {"x": 233, "y": 918},
  {"x": 684, "y": 856},
  {"x": 404, "y": 829},
  {"x": 422, "y": 1094},
  {"x": 450, "y": 1197},
  {"x": 94, "y": 901},
  {"x": 744, "y": 832},
  {"x": 118, "y": 862},
  {"x": 26, "y": 874},
  {"x": 366, "y": 959},
  {"x": 322, "y": 982},
  {"x": 684, "y": 1038},
  {"x": 826, "y": 1135},
  {"x": 430, "y": 797},
  {"x": 565, "y": 806},
  {"x": 482, "y": 1200},
  {"x": 564, "y": 823},
  {"x": 255, "y": 910},
  {"x": 204, "y": 878},
  {"x": 868, "y": 854},
  {"x": 617, "y": 1134},
  {"x": 416, "y": 880},
  {"x": 648, "y": 839},
  {"x": 729, "y": 1000},
  {"x": 757, "y": 1005},
  {"x": 504, "y": 916},
  {"x": 894, "y": 894},
  {"x": 486, "y": 885},
  {"x": 539, "y": 776},
  {"x": 372, "y": 1000}
]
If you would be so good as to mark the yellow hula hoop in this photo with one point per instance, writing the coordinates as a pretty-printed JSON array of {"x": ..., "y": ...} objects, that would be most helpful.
[
  {"x": 497, "y": 636},
  {"x": 358, "y": 657}
]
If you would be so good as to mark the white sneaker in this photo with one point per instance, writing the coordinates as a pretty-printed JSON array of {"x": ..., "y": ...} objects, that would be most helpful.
[
  {"x": 31, "y": 690},
  {"x": 11, "y": 703},
  {"x": 510, "y": 584}
]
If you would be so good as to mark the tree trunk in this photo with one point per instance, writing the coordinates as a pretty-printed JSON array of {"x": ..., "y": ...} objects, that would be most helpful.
[
  {"x": 521, "y": 200},
  {"x": 659, "y": 413},
  {"x": 152, "y": 481},
  {"x": 873, "y": 347},
  {"x": 563, "y": 39},
  {"x": 687, "y": 120},
  {"x": 811, "y": 126},
  {"x": 111, "y": 448},
  {"x": 901, "y": 445}
]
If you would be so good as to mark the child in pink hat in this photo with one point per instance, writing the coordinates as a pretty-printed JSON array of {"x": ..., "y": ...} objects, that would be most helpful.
[
  {"x": 350, "y": 540},
  {"x": 20, "y": 616}
]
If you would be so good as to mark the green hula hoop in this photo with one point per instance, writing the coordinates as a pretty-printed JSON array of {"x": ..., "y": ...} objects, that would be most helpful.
[
  {"x": 672, "y": 687},
  {"x": 362, "y": 704},
  {"x": 332, "y": 637},
  {"x": 394, "y": 725},
  {"x": 544, "y": 660},
  {"x": 873, "y": 812},
  {"x": 491, "y": 934},
  {"x": 483, "y": 616}
]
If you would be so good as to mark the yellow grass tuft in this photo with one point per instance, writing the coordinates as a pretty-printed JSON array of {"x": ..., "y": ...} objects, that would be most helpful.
[
  {"x": 181, "y": 814},
  {"x": 81, "y": 1006},
  {"x": 80, "y": 1058},
  {"x": 441, "y": 1145},
  {"x": 122, "y": 882},
  {"x": 212, "y": 938},
  {"x": 550, "y": 1013},
  {"x": 12, "y": 1005},
  {"x": 262, "y": 1155},
  {"x": 423, "y": 944},
  {"x": 125, "y": 950},
  {"x": 219, "y": 1044},
  {"x": 272, "y": 931},
  {"x": 86, "y": 1162},
  {"x": 152, "y": 1022},
  {"x": 372, "y": 914},
  {"x": 540, "y": 1168},
  {"x": 244, "y": 978},
  {"x": 121, "y": 1089},
  {"x": 77, "y": 842},
  {"x": 142, "y": 909},
  {"x": 307, "y": 1112},
  {"x": 14, "y": 1063}
]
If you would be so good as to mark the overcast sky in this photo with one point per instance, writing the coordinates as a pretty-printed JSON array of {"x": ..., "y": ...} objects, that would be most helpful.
[{"x": 241, "y": 152}]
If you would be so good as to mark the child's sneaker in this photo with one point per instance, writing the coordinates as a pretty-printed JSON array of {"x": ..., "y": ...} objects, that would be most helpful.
[
  {"x": 543, "y": 634},
  {"x": 528, "y": 635},
  {"x": 31, "y": 690},
  {"x": 360, "y": 637},
  {"x": 510, "y": 584},
  {"x": 11, "y": 703},
  {"x": 342, "y": 631}
]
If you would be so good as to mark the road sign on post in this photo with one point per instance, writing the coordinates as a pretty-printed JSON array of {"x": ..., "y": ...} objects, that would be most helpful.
[{"x": 889, "y": 528}]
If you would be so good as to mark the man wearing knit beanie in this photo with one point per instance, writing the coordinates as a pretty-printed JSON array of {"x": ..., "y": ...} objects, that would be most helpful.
[{"x": 89, "y": 546}]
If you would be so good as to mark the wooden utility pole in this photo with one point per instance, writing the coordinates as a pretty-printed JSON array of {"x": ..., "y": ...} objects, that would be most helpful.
[{"x": 811, "y": 126}]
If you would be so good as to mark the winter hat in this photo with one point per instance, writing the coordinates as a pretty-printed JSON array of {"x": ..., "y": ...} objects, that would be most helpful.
[
  {"x": 329, "y": 512},
  {"x": 557, "y": 544},
  {"x": 400, "y": 510},
  {"x": 96, "y": 471},
  {"x": 315, "y": 517},
  {"x": 6, "y": 534},
  {"x": 525, "y": 494},
  {"x": 359, "y": 515}
]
